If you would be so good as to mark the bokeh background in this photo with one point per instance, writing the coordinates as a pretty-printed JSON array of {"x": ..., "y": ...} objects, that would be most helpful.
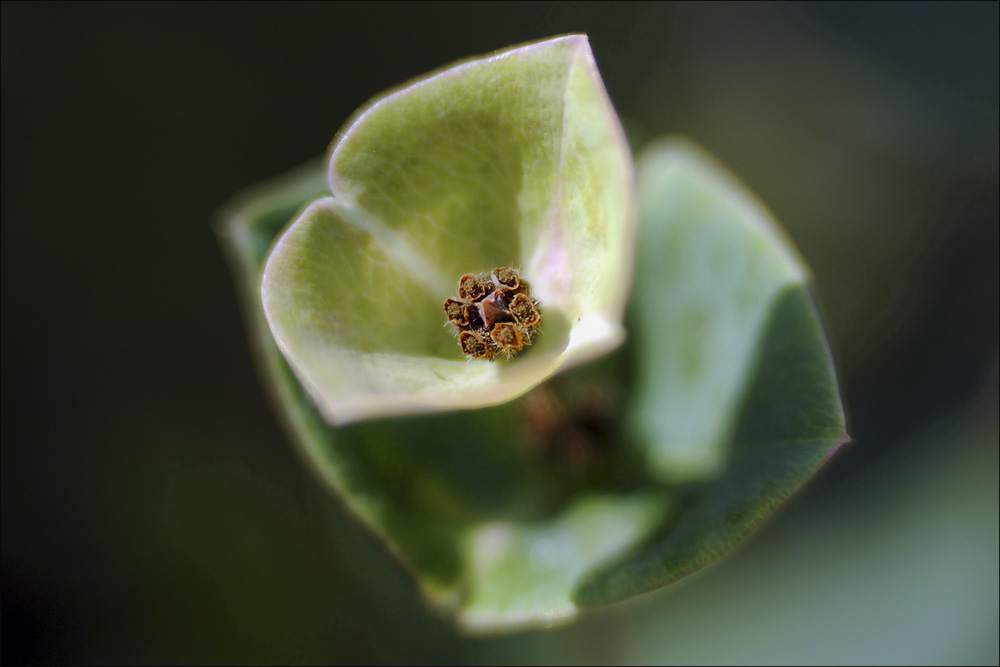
[{"x": 154, "y": 512}]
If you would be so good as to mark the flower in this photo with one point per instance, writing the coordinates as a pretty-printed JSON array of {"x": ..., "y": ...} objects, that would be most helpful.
[
  {"x": 513, "y": 159},
  {"x": 511, "y": 171}
]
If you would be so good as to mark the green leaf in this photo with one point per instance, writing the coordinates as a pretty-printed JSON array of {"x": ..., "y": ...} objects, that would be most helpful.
[
  {"x": 735, "y": 391},
  {"x": 516, "y": 159},
  {"x": 716, "y": 264}
]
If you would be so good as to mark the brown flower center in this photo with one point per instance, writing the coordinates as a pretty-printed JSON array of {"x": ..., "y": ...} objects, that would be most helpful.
[{"x": 494, "y": 313}]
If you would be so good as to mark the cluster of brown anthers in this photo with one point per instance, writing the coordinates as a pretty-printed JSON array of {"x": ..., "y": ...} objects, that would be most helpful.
[{"x": 494, "y": 313}]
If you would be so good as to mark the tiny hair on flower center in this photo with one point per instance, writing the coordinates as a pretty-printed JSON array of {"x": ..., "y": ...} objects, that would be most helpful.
[{"x": 494, "y": 314}]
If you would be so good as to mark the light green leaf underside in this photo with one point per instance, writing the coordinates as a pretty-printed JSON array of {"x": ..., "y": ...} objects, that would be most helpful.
[
  {"x": 524, "y": 574},
  {"x": 512, "y": 160},
  {"x": 715, "y": 264},
  {"x": 769, "y": 423}
]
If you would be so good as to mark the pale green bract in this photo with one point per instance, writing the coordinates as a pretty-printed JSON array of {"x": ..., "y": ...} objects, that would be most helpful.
[{"x": 514, "y": 159}]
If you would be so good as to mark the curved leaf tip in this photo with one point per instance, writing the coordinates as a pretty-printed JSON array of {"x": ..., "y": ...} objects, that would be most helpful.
[{"x": 514, "y": 159}]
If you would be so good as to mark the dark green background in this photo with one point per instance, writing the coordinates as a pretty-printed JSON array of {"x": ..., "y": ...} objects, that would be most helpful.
[{"x": 152, "y": 511}]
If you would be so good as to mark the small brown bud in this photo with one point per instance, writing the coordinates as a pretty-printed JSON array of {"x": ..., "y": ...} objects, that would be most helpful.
[
  {"x": 524, "y": 310},
  {"x": 505, "y": 277},
  {"x": 457, "y": 312},
  {"x": 508, "y": 338},
  {"x": 471, "y": 287},
  {"x": 473, "y": 345}
]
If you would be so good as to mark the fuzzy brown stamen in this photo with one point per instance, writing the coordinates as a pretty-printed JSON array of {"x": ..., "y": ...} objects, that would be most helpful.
[
  {"x": 494, "y": 313},
  {"x": 523, "y": 309},
  {"x": 505, "y": 277},
  {"x": 457, "y": 312},
  {"x": 507, "y": 338},
  {"x": 474, "y": 346},
  {"x": 471, "y": 287}
]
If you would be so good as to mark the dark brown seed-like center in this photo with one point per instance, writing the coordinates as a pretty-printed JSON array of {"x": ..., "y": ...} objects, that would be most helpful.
[
  {"x": 494, "y": 309},
  {"x": 494, "y": 313}
]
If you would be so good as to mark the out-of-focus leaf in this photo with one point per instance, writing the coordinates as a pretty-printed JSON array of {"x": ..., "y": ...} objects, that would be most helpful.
[{"x": 736, "y": 400}]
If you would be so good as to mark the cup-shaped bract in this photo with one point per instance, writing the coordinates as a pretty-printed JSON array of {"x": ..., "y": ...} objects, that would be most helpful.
[{"x": 513, "y": 159}]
